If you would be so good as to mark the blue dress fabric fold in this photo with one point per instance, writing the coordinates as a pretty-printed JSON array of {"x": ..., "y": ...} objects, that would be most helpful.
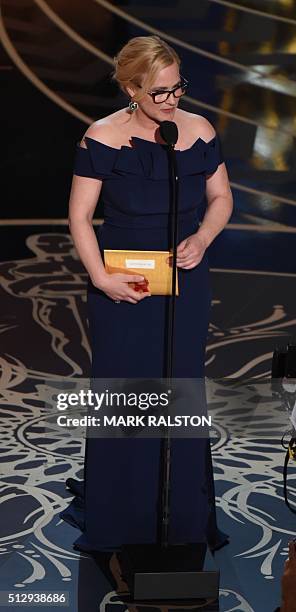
[{"x": 118, "y": 502}]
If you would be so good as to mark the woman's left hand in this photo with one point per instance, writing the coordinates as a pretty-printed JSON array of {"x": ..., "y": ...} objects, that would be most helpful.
[{"x": 190, "y": 252}]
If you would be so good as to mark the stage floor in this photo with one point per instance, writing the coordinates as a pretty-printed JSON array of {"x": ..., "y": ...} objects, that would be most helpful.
[{"x": 44, "y": 336}]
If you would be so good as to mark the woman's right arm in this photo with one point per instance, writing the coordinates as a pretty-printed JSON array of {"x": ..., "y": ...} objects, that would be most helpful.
[
  {"x": 82, "y": 204},
  {"x": 84, "y": 195}
]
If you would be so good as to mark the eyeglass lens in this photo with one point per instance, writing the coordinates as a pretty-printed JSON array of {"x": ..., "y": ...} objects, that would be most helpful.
[{"x": 163, "y": 95}]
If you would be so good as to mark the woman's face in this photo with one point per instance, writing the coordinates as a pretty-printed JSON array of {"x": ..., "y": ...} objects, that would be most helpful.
[{"x": 166, "y": 79}]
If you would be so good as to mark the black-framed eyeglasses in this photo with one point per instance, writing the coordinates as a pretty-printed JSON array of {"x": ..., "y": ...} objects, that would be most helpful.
[{"x": 160, "y": 96}]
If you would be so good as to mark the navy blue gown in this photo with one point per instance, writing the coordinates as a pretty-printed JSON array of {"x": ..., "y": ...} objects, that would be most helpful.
[{"x": 119, "y": 501}]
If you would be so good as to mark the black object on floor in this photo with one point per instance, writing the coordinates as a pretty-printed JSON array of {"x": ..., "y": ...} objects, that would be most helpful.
[{"x": 179, "y": 572}]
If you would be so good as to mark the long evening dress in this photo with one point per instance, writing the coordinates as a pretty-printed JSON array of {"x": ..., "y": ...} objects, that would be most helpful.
[{"x": 121, "y": 475}]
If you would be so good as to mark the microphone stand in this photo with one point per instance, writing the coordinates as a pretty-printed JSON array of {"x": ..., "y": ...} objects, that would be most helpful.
[
  {"x": 165, "y": 451},
  {"x": 161, "y": 571}
]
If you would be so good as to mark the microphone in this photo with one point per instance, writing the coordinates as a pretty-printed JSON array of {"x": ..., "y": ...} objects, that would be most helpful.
[{"x": 169, "y": 132}]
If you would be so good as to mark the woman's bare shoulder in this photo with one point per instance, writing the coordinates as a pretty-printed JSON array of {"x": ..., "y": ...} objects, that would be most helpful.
[
  {"x": 198, "y": 125},
  {"x": 105, "y": 130}
]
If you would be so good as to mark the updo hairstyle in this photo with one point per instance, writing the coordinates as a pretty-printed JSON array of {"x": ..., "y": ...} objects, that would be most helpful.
[{"x": 139, "y": 61}]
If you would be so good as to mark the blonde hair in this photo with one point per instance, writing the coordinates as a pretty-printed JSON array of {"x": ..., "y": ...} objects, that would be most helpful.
[{"x": 139, "y": 61}]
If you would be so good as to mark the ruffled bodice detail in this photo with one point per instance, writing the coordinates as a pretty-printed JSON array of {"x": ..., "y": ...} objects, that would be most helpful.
[
  {"x": 145, "y": 158},
  {"x": 135, "y": 192}
]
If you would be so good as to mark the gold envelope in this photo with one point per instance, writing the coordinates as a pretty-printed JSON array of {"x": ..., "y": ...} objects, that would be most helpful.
[{"x": 150, "y": 264}]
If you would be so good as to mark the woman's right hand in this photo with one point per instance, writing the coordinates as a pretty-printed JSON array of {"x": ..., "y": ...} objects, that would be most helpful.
[{"x": 116, "y": 286}]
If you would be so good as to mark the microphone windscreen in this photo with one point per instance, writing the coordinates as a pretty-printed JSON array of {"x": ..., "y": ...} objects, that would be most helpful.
[{"x": 169, "y": 132}]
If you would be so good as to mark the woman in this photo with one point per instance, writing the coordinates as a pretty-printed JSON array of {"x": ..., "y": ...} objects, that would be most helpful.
[{"x": 122, "y": 162}]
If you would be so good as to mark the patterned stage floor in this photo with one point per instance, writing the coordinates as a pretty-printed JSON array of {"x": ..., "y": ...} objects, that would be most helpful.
[{"x": 44, "y": 335}]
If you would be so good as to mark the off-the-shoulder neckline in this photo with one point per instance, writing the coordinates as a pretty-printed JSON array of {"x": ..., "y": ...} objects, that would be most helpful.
[{"x": 149, "y": 142}]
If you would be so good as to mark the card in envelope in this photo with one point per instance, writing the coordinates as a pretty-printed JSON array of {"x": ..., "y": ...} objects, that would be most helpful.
[{"x": 153, "y": 265}]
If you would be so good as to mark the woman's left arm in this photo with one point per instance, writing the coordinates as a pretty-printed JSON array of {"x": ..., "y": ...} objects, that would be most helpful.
[{"x": 220, "y": 204}]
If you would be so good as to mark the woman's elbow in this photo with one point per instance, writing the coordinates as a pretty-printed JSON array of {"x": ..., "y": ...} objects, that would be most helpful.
[{"x": 80, "y": 219}]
